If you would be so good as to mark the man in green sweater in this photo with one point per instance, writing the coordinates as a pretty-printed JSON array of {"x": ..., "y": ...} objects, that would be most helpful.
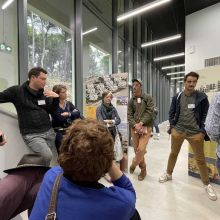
[{"x": 140, "y": 119}]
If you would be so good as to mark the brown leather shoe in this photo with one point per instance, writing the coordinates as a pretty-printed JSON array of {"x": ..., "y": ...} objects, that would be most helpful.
[
  {"x": 142, "y": 174},
  {"x": 132, "y": 168}
]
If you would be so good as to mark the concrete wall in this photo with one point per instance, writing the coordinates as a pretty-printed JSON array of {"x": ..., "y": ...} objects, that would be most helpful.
[
  {"x": 15, "y": 148},
  {"x": 11, "y": 153},
  {"x": 202, "y": 37}
]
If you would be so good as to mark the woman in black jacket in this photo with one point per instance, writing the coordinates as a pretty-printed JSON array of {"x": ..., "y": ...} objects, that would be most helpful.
[{"x": 64, "y": 115}]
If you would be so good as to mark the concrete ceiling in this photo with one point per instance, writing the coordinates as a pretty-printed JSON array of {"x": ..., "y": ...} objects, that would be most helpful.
[{"x": 168, "y": 20}]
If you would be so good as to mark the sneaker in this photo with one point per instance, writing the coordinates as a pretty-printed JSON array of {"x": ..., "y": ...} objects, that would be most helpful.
[
  {"x": 165, "y": 177},
  {"x": 211, "y": 193}
]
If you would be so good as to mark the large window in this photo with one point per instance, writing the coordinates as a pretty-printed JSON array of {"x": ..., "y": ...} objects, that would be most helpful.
[
  {"x": 102, "y": 8},
  {"x": 97, "y": 46},
  {"x": 120, "y": 55},
  {"x": 50, "y": 40},
  {"x": 8, "y": 48},
  {"x": 97, "y": 55},
  {"x": 139, "y": 65},
  {"x": 130, "y": 63}
]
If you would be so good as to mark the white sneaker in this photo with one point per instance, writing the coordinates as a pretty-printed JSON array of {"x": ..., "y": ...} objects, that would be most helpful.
[
  {"x": 165, "y": 177},
  {"x": 211, "y": 192}
]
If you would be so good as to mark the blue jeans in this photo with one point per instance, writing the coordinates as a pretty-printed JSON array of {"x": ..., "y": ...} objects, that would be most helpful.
[
  {"x": 157, "y": 129},
  {"x": 218, "y": 165}
]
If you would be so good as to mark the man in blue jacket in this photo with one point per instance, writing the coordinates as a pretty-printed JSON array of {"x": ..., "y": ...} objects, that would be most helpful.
[
  {"x": 187, "y": 117},
  {"x": 33, "y": 106}
]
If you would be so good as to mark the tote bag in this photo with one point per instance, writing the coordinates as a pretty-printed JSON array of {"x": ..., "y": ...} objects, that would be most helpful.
[{"x": 118, "y": 147}]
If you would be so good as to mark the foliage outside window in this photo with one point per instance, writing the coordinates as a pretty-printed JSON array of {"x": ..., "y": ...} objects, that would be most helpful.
[
  {"x": 49, "y": 46},
  {"x": 99, "y": 61}
]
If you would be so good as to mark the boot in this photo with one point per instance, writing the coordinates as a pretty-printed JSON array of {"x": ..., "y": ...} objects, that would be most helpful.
[
  {"x": 132, "y": 168},
  {"x": 142, "y": 174}
]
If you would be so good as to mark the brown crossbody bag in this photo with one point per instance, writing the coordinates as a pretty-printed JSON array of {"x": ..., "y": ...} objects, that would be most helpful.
[{"x": 53, "y": 199}]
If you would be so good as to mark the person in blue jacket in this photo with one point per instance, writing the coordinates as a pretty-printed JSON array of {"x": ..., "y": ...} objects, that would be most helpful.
[
  {"x": 64, "y": 115},
  {"x": 86, "y": 154}
]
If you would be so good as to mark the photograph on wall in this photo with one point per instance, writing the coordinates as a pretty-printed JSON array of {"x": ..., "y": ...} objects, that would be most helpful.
[
  {"x": 209, "y": 83},
  {"x": 118, "y": 85}
]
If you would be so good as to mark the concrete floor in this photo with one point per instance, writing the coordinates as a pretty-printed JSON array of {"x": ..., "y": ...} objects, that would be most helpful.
[{"x": 183, "y": 198}]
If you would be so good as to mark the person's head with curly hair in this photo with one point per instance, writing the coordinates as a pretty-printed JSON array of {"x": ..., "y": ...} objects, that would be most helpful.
[{"x": 87, "y": 151}]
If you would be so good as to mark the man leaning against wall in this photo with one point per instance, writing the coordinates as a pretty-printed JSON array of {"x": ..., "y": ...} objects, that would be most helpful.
[{"x": 33, "y": 106}]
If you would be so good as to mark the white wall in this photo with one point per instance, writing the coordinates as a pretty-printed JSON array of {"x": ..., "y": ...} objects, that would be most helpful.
[
  {"x": 11, "y": 153},
  {"x": 202, "y": 37},
  {"x": 15, "y": 148}
]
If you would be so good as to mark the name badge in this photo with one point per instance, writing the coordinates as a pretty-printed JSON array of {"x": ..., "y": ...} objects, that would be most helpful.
[
  {"x": 191, "y": 106},
  {"x": 138, "y": 100},
  {"x": 41, "y": 102}
]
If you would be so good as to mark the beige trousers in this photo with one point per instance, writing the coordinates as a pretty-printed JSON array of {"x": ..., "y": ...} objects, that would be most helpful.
[
  {"x": 140, "y": 144},
  {"x": 196, "y": 141}
]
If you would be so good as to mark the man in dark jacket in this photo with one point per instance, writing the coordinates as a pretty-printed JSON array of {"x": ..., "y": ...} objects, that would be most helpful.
[
  {"x": 140, "y": 119},
  {"x": 33, "y": 106},
  {"x": 187, "y": 117}
]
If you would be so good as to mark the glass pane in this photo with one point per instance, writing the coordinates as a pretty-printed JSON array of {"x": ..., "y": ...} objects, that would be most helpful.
[
  {"x": 130, "y": 35},
  {"x": 139, "y": 65},
  {"x": 97, "y": 46},
  {"x": 8, "y": 49},
  {"x": 97, "y": 54},
  {"x": 50, "y": 40},
  {"x": 130, "y": 63},
  {"x": 102, "y": 8},
  {"x": 121, "y": 24},
  {"x": 120, "y": 56}
]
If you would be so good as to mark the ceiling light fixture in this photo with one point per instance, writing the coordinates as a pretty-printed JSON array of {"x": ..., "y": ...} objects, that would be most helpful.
[
  {"x": 169, "y": 56},
  {"x": 160, "y": 41},
  {"x": 175, "y": 73},
  {"x": 170, "y": 67},
  {"x": 141, "y": 9},
  {"x": 181, "y": 77},
  {"x": 6, "y": 4},
  {"x": 89, "y": 31},
  {"x": 181, "y": 81}
]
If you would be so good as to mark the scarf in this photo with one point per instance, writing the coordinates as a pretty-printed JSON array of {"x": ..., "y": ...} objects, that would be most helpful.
[{"x": 107, "y": 111}]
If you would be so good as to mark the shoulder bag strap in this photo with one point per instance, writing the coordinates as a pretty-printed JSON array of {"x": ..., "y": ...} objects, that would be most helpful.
[{"x": 53, "y": 199}]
